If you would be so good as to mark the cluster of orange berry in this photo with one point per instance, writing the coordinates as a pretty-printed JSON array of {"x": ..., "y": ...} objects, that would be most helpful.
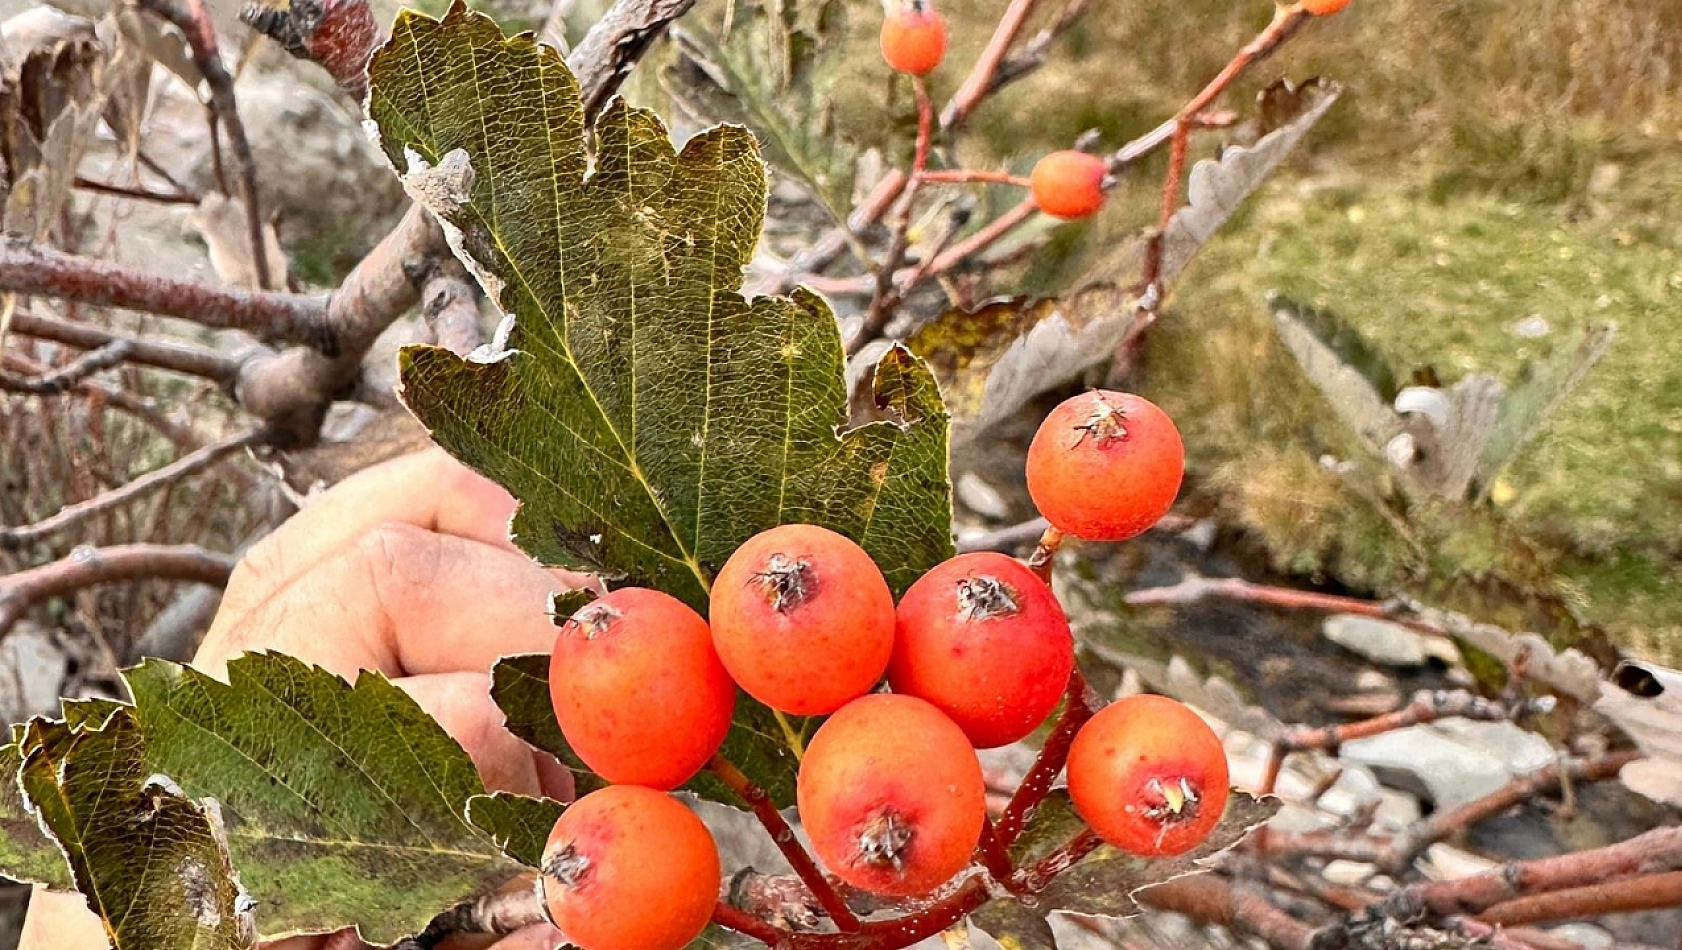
[{"x": 977, "y": 654}]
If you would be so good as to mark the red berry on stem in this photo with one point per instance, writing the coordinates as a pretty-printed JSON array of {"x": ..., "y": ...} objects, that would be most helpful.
[
  {"x": 913, "y": 36},
  {"x": 1069, "y": 184},
  {"x": 891, "y": 793},
  {"x": 1149, "y": 776},
  {"x": 1105, "y": 465},
  {"x": 638, "y": 688},
  {"x": 803, "y": 619},
  {"x": 986, "y": 642},
  {"x": 630, "y": 868}
]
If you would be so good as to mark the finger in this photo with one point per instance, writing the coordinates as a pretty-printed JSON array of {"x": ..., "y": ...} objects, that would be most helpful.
[
  {"x": 59, "y": 921},
  {"x": 401, "y": 600},
  {"x": 427, "y": 489},
  {"x": 462, "y": 704}
]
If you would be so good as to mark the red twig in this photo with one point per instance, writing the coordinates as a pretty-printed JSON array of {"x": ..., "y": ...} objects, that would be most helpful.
[
  {"x": 1425, "y": 706},
  {"x": 71, "y": 515},
  {"x": 979, "y": 82},
  {"x": 1234, "y": 588},
  {"x": 783, "y": 836},
  {"x": 89, "y": 567},
  {"x": 1648, "y": 892},
  {"x": 1035, "y": 878},
  {"x": 1045, "y": 553},
  {"x": 995, "y": 857},
  {"x": 886, "y": 296},
  {"x": 194, "y": 22},
  {"x": 1211, "y": 899},
  {"x": 1048, "y": 763},
  {"x": 743, "y": 922},
  {"x": 32, "y": 269},
  {"x": 967, "y": 176}
]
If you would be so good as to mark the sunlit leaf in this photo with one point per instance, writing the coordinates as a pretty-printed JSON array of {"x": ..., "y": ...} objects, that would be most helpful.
[
  {"x": 519, "y": 825},
  {"x": 27, "y": 853}
]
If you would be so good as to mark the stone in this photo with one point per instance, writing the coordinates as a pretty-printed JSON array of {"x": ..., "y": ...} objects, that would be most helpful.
[
  {"x": 32, "y": 672},
  {"x": 1347, "y": 873},
  {"x": 1449, "y": 766},
  {"x": 1380, "y": 641}
]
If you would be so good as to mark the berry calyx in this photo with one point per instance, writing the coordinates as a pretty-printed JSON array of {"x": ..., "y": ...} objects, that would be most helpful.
[
  {"x": 913, "y": 36},
  {"x": 1322, "y": 7},
  {"x": 891, "y": 793},
  {"x": 1149, "y": 775},
  {"x": 1105, "y": 465},
  {"x": 1068, "y": 184},
  {"x": 984, "y": 640},
  {"x": 802, "y": 619},
  {"x": 638, "y": 688},
  {"x": 630, "y": 868}
]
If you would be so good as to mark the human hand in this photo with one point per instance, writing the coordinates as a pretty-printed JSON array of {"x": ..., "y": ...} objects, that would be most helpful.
[{"x": 405, "y": 568}]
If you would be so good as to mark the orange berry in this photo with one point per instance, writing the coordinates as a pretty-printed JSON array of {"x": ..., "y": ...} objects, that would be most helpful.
[
  {"x": 802, "y": 619},
  {"x": 913, "y": 37},
  {"x": 630, "y": 868},
  {"x": 638, "y": 689},
  {"x": 892, "y": 794},
  {"x": 983, "y": 639},
  {"x": 1069, "y": 184},
  {"x": 1149, "y": 776},
  {"x": 1105, "y": 466},
  {"x": 1322, "y": 7}
]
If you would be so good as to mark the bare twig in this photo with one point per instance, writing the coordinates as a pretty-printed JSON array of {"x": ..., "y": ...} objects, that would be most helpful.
[
  {"x": 979, "y": 82},
  {"x": 71, "y": 515},
  {"x": 175, "y": 357},
  {"x": 1034, "y": 51},
  {"x": 66, "y": 377},
  {"x": 90, "y": 567},
  {"x": 1194, "y": 588},
  {"x": 973, "y": 176},
  {"x": 513, "y": 907},
  {"x": 141, "y": 194},
  {"x": 27, "y": 268},
  {"x": 605, "y": 56},
  {"x": 340, "y": 36},
  {"x": 886, "y": 297},
  {"x": 1212, "y": 899},
  {"x": 124, "y": 400},
  {"x": 1008, "y": 538},
  {"x": 1647, "y": 892},
  {"x": 193, "y": 20}
]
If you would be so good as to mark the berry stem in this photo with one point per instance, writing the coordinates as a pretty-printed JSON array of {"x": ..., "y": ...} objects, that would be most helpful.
[
  {"x": 1045, "y": 553},
  {"x": 783, "y": 836},
  {"x": 1036, "y": 877},
  {"x": 967, "y": 176},
  {"x": 995, "y": 857},
  {"x": 1035, "y": 785},
  {"x": 742, "y": 922},
  {"x": 886, "y": 297}
]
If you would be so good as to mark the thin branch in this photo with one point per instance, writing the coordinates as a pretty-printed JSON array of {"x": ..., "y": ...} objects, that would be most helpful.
[
  {"x": 783, "y": 836},
  {"x": 1034, "y": 52},
  {"x": 191, "y": 360},
  {"x": 12, "y": 539},
  {"x": 605, "y": 56},
  {"x": 124, "y": 400},
  {"x": 1211, "y": 899},
  {"x": 65, "y": 378},
  {"x": 1008, "y": 538},
  {"x": 1648, "y": 892},
  {"x": 979, "y": 82},
  {"x": 89, "y": 567},
  {"x": 1193, "y": 589},
  {"x": 141, "y": 194},
  {"x": 1045, "y": 552},
  {"x": 500, "y": 913},
  {"x": 27, "y": 268},
  {"x": 194, "y": 22},
  {"x": 886, "y": 298},
  {"x": 995, "y": 857},
  {"x": 973, "y": 176},
  {"x": 1426, "y": 706}
]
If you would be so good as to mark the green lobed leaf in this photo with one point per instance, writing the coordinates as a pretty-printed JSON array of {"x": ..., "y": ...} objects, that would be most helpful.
[
  {"x": 27, "y": 853},
  {"x": 1014, "y": 925},
  {"x": 648, "y": 417},
  {"x": 344, "y": 804},
  {"x": 519, "y": 825},
  {"x": 151, "y": 863},
  {"x": 756, "y": 743},
  {"x": 1105, "y": 882}
]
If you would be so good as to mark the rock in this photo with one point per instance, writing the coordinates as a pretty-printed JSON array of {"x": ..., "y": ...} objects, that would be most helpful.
[
  {"x": 975, "y": 494},
  {"x": 1347, "y": 873},
  {"x": 32, "y": 672},
  {"x": 1587, "y": 936},
  {"x": 1448, "y": 762},
  {"x": 1380, "y": 641},
  {"x": 1444, "y": 862}
]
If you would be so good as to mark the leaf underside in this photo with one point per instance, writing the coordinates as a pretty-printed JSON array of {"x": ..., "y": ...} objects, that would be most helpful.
[
  {"x": 647, "y": 416},
  {"x": 151, "y": 863}
]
